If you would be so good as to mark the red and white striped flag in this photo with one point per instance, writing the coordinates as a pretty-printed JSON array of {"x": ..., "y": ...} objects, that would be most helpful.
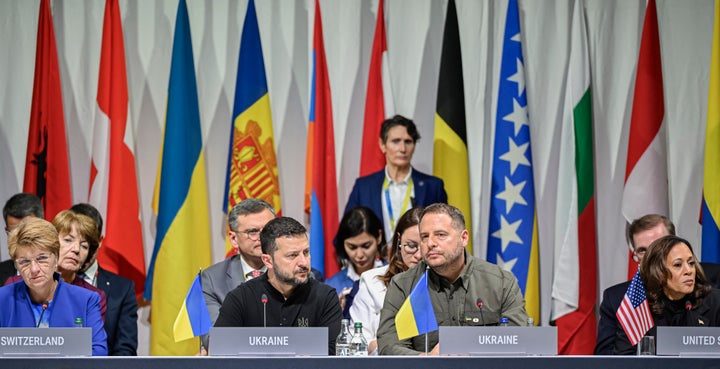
[
  {"x": 378, "y": 101},
  {"x": 646, "y": 180},
  {"x": 634, "y": 313},
  {"x": 113, "y": 181}
]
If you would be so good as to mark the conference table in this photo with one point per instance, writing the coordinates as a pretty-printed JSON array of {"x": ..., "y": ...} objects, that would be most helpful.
[{"x": 375, "y": 362}]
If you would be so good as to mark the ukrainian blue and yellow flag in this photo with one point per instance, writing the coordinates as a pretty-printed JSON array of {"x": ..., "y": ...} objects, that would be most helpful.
[
  {"x": 416, "y": 316},
  {"x": 252, "y": 170},
  {"x": 711, "y": 181},
  {"x": 512, "y": 243},
  {"x": 193, "y": 320},
  {"x": 182, "y": 240}
]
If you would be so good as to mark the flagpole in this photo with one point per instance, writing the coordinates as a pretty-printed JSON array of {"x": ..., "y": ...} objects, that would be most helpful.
[
  {"x": 427, "y": 267},
  {"x": 200, "y": 341}
]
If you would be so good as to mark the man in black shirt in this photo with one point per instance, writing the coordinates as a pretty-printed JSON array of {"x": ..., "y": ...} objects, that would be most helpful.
[{"x": 293, "y": 299}]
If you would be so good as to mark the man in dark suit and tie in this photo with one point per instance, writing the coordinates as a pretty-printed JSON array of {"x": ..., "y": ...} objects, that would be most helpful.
[
  {"x": 640, "y": 234},
  {"x": 398, "y": 187},
  {"x": 18, "y": 208},
  {"x": 121, "y": 314}
]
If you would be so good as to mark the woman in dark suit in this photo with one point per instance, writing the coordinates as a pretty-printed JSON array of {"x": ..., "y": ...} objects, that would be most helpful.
[
  {"x": 677, "y": 291},
  {"x": 41, "y": 298}
]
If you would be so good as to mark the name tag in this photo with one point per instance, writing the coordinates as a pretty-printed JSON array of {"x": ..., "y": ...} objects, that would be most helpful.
[
  {"x": 681, "y": 341},
  {"x": 273, "y": 341},
  {"x": 45, "y": 341},
  {"x": 498, "y": 340}
]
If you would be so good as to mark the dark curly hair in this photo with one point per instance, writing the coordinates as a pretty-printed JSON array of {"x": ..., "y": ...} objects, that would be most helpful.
[
  {"x": 396, "y": 265},
  {"x": 655, "y": 273}
]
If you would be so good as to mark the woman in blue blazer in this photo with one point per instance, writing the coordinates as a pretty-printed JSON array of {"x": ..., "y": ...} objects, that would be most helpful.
[{"x": 41, "y": 298}]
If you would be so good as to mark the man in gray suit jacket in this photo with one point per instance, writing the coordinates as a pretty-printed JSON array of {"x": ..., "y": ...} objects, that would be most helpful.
[{"x": 245, "y": 220}]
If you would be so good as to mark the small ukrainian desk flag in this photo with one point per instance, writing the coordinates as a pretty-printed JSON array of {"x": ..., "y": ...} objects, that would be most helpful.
[
  {"x": 416, "y": 315},
  {"x": 193, "y": 319}
]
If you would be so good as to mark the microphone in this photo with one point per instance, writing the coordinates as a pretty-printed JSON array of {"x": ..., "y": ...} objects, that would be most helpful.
[
  {"x": 42, "y": 313},
  {"x": 688, "y": 305},
  {"x": 480, "y": 306},
  {"x": 264, "y": 301}
]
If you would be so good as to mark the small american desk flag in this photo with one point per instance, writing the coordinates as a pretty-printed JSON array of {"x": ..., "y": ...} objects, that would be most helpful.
[{"x": 634, "y": 312}]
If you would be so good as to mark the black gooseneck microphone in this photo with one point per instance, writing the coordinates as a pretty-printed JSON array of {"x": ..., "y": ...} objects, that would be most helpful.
[
  {"x": 42, "y": 313},
  {"x": 688, "y": 305},
  {"x": 264, "y": 301},
  {"x": 480, "y": 306}
]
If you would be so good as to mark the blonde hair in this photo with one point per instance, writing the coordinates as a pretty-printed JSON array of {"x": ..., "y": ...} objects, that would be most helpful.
[{"x": 34, "y": 232}]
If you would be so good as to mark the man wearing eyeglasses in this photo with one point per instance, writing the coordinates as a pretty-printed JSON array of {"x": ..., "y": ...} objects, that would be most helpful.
[
  {"x": 17, "y": 209},
  {"x": 640, "y": 234}
]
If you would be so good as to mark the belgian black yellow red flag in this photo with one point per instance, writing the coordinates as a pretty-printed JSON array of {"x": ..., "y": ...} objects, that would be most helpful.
[{"x": 450, "y": 160}]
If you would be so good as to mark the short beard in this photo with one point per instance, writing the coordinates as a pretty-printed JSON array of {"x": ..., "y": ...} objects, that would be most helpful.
[{"x": 291, "y": 279}]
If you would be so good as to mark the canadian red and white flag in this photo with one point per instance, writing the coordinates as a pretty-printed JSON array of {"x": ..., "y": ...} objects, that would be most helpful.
[
  {"x": 378, "y": 101},
  {"x": 113, "y": 180},
  {"x": 646, "y": 180}
]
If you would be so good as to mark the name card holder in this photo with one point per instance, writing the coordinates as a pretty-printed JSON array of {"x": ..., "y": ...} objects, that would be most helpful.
[
  {"x": 272, "y": 341},
  {"x": 688, "y": 341},
  {"x": 45, "y": 342},
  {"x": 498, "y": 341}
]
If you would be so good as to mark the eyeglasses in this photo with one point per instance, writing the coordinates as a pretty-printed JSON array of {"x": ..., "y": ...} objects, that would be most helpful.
[
  {"x": 410, "y": 247},
  {"x": 252, "y": 233},
  {"x": 42, "y": 260}
]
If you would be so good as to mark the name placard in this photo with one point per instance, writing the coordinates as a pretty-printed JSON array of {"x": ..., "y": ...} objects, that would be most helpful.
[
  {"x": 521, "y": 341},
  {"x": 688, "y": 341},
  {"x": 33, "y": 342},
  {"x": 272, "y": 341}
]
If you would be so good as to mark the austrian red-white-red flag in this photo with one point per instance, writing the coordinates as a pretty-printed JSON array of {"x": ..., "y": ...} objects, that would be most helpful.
[
  {"x": 113, "y": 180},
  {"x": 378, "y": 101},
  {"x": 646, "y": 180}
]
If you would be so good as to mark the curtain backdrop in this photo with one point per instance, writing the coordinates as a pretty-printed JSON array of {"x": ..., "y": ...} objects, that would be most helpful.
[{"x": 414, "y": 32}]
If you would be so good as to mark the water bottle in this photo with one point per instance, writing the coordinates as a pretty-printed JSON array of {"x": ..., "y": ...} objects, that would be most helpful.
[
  {"x": 503, "y": 322},
  {"x": 342, "y": 344},
  {"x": 530, "y": 322},
  {"x": 358, "y": 343},
  {"x": 78, "y": 322}
]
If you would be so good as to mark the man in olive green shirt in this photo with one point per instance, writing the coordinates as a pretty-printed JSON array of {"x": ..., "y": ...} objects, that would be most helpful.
[{"x": 464, "y": 290}]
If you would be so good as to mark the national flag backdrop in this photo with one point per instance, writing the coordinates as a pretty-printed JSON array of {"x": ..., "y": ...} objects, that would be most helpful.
[
  {"x": 646, "y": 176},
  {"x": 634, "y": 312},
  {"x": 47, "y": 172},
  {"x": 711, "y": 180},
  {"x": 182, "y": 240},
  {"x": 252, "y": 170},
  {"x": 321, "y": 196},
  {"x": 416, "y": 315},
  {"x": 378, "y": 100},
  {"x": 574, "y": 286},
  {"x": 450, "y": 157},
  {"x": 193, "y": 319},
  {"x": 113, "y": 179},
  {"x": 512, "y": 241}
]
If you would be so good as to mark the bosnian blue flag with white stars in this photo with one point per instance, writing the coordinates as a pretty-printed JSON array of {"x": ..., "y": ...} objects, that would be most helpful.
[{"x": 512, "y": 241}]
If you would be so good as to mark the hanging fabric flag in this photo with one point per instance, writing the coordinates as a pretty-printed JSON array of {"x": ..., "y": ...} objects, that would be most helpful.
[
  {"x": 321, "y": 197},
  {"x": 512, "y": 243},
  {"x": 574, "y": 286},
  {"x": 646, "y": 180},
  {"x": 711, "y": 181},
  {"x": 252, "y": 170},
  {"x": 182, "y": 241},
  {"x": 47, "y": 172},
  {"x": 113, "y": 182},
  {"x": 450, "y": 160},
  {"x": 378, "y": 101}
]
